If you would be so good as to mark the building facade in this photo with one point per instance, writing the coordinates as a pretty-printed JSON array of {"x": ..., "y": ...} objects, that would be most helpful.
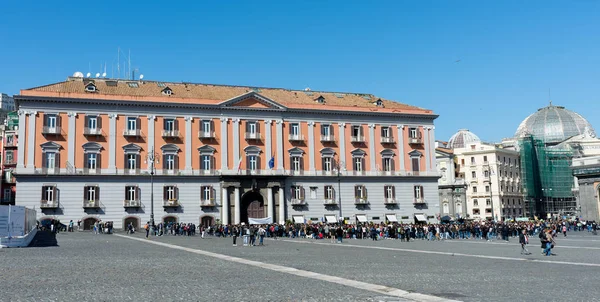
[
  {"x": 7, "y": 102},
  {"x": 452, "y": 189},
  {"x": 493, "y": 184},
  {"x": 10, "y": 144},
  {"x": 115, "y": 150}
]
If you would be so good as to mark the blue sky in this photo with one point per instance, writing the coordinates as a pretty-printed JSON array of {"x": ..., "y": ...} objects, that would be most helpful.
[{"x": 511, "y": 52}]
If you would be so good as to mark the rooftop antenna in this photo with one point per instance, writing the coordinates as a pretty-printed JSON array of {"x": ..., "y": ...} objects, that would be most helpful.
[
  {"x": 549, "y": 97},
  {"x": 104, "y": 73}
]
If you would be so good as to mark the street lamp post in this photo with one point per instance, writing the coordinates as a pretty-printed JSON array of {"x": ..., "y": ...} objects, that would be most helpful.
[
  {"x": 152, "y": 159},
  {"x": 338, "y": 167}
]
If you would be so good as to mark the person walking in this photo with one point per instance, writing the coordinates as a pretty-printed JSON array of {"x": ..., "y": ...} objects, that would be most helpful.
[
  {"x": 147, "y": 228},
  {"x": 524, "y": 240}
]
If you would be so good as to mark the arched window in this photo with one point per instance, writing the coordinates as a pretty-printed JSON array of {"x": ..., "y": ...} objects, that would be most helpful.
[
  {"x": 92, "y": 156},
  {"x": 132, "y": 159},
  {"x": 50, "y": 157},
  {"x": 253, "y": 163},
  {"x": 296, "y": 160},
  {"x": 207, "y": 159},
  {"x": 387, "y": 161},
  {"x": 358, "y": 161},
  {"x": 170, "y": 158}
]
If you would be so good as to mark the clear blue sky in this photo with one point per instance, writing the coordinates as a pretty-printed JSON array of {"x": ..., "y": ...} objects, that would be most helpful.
[{"x": 510, "y": 52}]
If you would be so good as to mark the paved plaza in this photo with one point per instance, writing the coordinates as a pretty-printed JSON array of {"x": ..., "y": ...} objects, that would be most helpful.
[{"x": 88, "y": 267}]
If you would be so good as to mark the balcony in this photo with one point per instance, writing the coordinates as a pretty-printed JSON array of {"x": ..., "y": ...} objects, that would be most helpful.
[
  {"x": 10, "y": 162},
  {"x": 88, "y": 171},
  {"x": 253, "y": 136},
  {"x": 361, "y": 201},
  {"x": 170, "y": 133},
  {"x": 296, "y": 172},
  {"x": 132, "y": 133},
  {"x": 390, "y": 201},
  {"x": 330, "y": 202},
  {"x": 415, "y": 141},
  {"x": 298, "y": 201},
  {"x": 170, "y": 171},
  {"x": 92, "y": 131},
  {"x": 327, "y": 138},
  {"x": 206, "y": 134},
  {"x": 47, "y": 170},
  {"x": 91, "y": 204},
  {"x": 296, "y": 138},
  {"x": 131, "y": 171},
  {"x": 48, "y": 204},
  {"x": 357, "y": 139},
  {"x": 387, "y": 140},
  {"x": 130, "y": 204},
  {"x": 209, "y": 172},
  {"x": 51, "y": 130},
  {"x": 171, "y": 203},
  {"x": 207, "y": 202},
  {"x": 419, "y": 202},
  {"x": 12, "y": 143}
]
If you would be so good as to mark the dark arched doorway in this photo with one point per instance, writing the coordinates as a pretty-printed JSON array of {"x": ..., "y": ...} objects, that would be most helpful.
[
  {"x": 206, "y": 221},
  {"x": 169, "y": 219},
  {"x": 88, "y": 223},
  {"x": 252, "y": 206},
  {"x": 135, "y": 221}
]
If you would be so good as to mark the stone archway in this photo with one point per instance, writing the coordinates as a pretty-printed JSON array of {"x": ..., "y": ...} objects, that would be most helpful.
[
  {"x": 252, "y": 206},
  {"x": 88, "y": 223},
  {"x": 207, "y": 221},
  {"x": 133, "y": 220},
  {"x": 168, "y": 219}
]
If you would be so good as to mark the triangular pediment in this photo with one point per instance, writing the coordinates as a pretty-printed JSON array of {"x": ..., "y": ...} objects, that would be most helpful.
[{"x": 252, "y": 100}]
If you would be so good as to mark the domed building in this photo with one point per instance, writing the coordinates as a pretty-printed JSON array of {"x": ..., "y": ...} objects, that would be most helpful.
[
  {"x": 553, "y": 125},
  {"x": 462, "y": 138}
]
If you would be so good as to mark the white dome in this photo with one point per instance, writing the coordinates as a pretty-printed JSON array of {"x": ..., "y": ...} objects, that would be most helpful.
[
  {"x": 554, "y": 124},
  {"x": 462, "y": 138}
]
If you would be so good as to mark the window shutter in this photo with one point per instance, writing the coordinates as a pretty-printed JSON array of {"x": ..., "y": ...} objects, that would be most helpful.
[
  {"x": 365, "y": 192},
  {"x": 43, "y": 197},
  {"x": 257, "y": 127},
  {"x": 86, "y": 121},
  {"x": 247, "y": 162},
  {"x": 126, "y": 195},
  {"x": 57, "y": 160},
  {"x": 137, "y": 123},
  {"x": 97, "y": 193},
  {"x": 176, "y": 162},
  {"x": 212, "y": 126},
  {"x": 356, "y": 192},
  {"x": 54, "y": 195},
  {"x": 394, "y": 192},
  {"x": 98, "y": 161},
  {"x": 301, "y": 163},
  {"x": 422, "y": 195},
  {"x": 247, "y": 126},
  {"x": 212, "y": 193},
  {"x": 258, "y": 162},
  {"x": 291, "y": 163},
  {"x": 99, "y": 122},
  {"x": 165, "y": 193},
  {"x": 302, "y": 193},
  {"x": 176, "y": 124},
  {"x": 213, "y": 164},
  {"x": 393, "y": 164},
  {"x": 125, "y": 166},
  {"x": 415, "y": 191},
  {"x": 138, "y": 161},
  {"x": 44, "y": 160},
  {"x": 85, "y": 190},
  {"x": 292, "y": 192},
  {"x": 176, "y": 192},
  {"x": 45, "y": 120},
  {"x": 138, "y": 193},
  {"x": 58, "y": 120}
]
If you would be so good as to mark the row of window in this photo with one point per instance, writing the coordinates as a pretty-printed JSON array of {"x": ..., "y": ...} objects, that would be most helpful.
[
  {"x": 504, "y": 211},
  {"x": 488, "y": 202},
  {"x": 487, "y": 174},
  {"x": 485, "y": 160},
  {"x": 171, "y": 126},
  {"x": 297, "y": 193}
]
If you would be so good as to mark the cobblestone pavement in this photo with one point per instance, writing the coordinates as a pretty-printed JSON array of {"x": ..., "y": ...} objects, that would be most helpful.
[{"x": 87, "y": 267}]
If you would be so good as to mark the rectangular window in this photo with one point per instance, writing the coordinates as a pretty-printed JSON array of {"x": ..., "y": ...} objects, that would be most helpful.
[
  {"x": 415, "y": 164},
  {"x": 92, "y": 193},
  {"x": 92, "y": 161},
  {"x": 485, "y": 158},
  {"x": 170, "y": 193},
  {"x": 388, "y": 164},
  {"x": 413, "y": 133},
  {"x": 326, "y": 130},
  {"x": 92, "y": 122},
  {"x": 297, "y": 193},
  {"x": 385, "y": 132},
  {"x": 418, "y": 192},
  {"x": 486, "y": 173},
  {"x": 356, "y": 131},
  {"x": 487, "y": 189},
  {"x": 131, "y": 161},
  {"x": 474, "y": 189},
  {"x": 7, "y": 197},
  {"x": 251, "y": 127},
  {"x": 206, "y": 126},
  {"x": 169, "y": 124},
  {"x": 472, "y": 160},
  {"x": 475, "y": 203},
  {"x": 473, "y": 174},
  {"x": 207, "y": 193},
  {"x": 48, "y": 193},
  {"x": 358, "y": 164},
  {"x": 296, "y": 164},
  {"x": 295, "y": 129},
  {"x": 360, "y": 192},
  {"x": 329, "y": 193},
  {"x": 488, "y": 202},
  {"x": 327, "y": 164},
  {"x": 390, "y": 192},
  {"x": 51, "y": 121},
  {"x": 50, "y": 160},
  {"x": 9, "y": 157},
  {"x": 252, "y": 163},
  {"x": 169, "y": 163},
  {"x": 313, "y": 192},
  {"x": 131, "y": 193},
  {"x": 131, "y": 123},
  {"x": 206, "y": 162}
]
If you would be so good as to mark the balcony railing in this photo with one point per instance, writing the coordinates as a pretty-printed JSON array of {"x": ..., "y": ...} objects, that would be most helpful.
[
  {"x": 328, "y": 138},
  {"x": 48, "y": 204},
  {"x": 253, "y": 136},
  {"x": 51, "y": 130},
  {"x": 206, "y": 134},
  {"x": 10, "y": 162},
  {"x": 330, "y": 202},
  {"x": 132, "y": 171},
  {"x": 89, "y": 171},
  {"x": 357, "y": 139},
  {"x": 170, "y": 171},
  {"x": 12, "y": 143},
  {"x": 207, "y": 202},
  {"x": 390, "y": 201},
  {"x": 415, "y": 140},
  {"x": 91, "y": 204},
  {"x": 419, "y": 201},
  {"x": 297, "y": 201},
  {"x": 296, "y": 137},
  {"x": 132, "y": 204},
  {"x": 92, "y": 131},
  {"x": 50, "y": 170},
  {"x": 170, "y": 133},
  {"x": 132, "y": 132},
  {"x": 297, "y": 172},
  {"x": 361, "y": 201},
  {"x": 209, "y": 172},
  {"x": 171, "y": 203},
  {"x": 387, "y": 140}
]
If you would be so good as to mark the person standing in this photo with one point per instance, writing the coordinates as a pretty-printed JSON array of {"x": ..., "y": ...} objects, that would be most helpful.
[
  {"x": 524, "y": 240},
  {"x": 234, "y": 234},
  {"x": 339, "y": 233},
  {"x": 261, "y": 234},
  {"x": 549, "y": 243}
]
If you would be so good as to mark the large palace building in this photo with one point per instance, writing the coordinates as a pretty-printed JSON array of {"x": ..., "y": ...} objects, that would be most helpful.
[{"x": 120, "y": 150}]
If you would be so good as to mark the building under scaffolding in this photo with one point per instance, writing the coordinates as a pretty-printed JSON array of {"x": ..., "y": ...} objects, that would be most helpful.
[{"x": 547, "y": 178}]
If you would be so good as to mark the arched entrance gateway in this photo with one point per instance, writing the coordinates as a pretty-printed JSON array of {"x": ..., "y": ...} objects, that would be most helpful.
[
  {"x": 252, "y": 206},
  {"x": 206, "y": 221},
  {"x": 135, "y": 221},
  {"x": 88, "y": 223}
]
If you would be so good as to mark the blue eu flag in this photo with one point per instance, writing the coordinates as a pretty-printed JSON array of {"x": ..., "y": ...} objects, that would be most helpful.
[{"x": 272, "y": 162}]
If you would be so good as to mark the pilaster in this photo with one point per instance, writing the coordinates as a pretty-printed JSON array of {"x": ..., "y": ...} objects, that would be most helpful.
[
  {"x": 151, "y": 129},
  {"x": 188, "y": 144},
  {"x": 270, "y": 202},
  {"x": 223, "y": 143},
  {"x": 311, "y": 147},
  {"x": 372, "y": 153},
  {"x": 342, "y": 136},
  {"x": 427, "y": 149},
  {"x": 281, "y": 206},
  {"x": 279, "y": 155},
  {"x": 225, "y": 205},
  {"x": 71, "y": 138},
  {"x": 112, "y": 143},
  {"x": 236, "y": 145},
  {"x": 236, "y": 199},
  {"x": 432, "y": 148},
  {"x": 21, "y": 139},
  {"x": 31, "y": 140},
  {"x": 268, "y": 141},
  {"x": 401, "y": 154}
]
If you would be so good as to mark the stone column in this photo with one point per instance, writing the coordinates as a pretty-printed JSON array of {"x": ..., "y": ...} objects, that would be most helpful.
[
  {"x": 432, "y": 148},
  {"x": 401, "y": 155},
  {"x": 188, "y": 144},
  {"x": 311, "y": 147},
  {"x": 71, "y": 139},
  {"x": 21, "y": 139},
  {"x": 225, "y": 205},
  {"x": 151, "y": 130},
  {"x": 223, "y": 140},
  {"x": 279, "y": 154},
  {"x": 270, "y": 202},
  {"x": 31, "y": 140},
  {"x": 112, "y": 143},
  {"x": 236, "y": 200},
  {"x": 342, "y": 139},
  {"x": 236, "y": 143},
  {"x": 427, "y": 148},
  {"x": 281, "y": 206},
  {"x": 268, "y": 142},
  {"x": 372, "y": 153}
]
